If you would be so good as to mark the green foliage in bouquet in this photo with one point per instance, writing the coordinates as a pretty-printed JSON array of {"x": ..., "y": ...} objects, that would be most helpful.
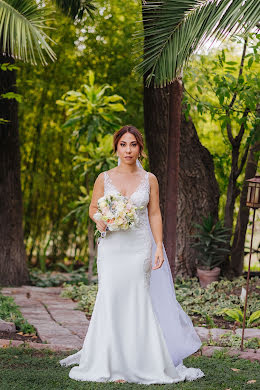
[{"x": 211, "y": 243}]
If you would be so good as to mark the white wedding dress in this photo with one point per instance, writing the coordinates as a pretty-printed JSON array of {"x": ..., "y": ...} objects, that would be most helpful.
[{"x": 124, "y": 338}]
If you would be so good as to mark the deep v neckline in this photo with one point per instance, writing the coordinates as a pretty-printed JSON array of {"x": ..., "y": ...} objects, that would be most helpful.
[{"x": 117, "y": 190}]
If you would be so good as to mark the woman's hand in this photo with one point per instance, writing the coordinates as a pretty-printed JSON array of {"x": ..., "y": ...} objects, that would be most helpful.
[
  {"x": 158, "y": 257},
  {"x": 101, "y": 225}
]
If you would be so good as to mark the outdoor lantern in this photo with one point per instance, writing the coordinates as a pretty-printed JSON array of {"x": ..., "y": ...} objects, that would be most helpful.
[
  {"x": 253, "y": 201},
  {"x": 253, "y": 193}
]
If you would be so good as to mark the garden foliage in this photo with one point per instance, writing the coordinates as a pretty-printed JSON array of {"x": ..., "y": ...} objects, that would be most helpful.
[
  {"x": 10, "y": 312},
  {"x": 203, "y": 305}
]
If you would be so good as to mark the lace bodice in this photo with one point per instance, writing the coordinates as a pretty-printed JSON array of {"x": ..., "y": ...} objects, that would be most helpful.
[{"x": 140, "y": 197}]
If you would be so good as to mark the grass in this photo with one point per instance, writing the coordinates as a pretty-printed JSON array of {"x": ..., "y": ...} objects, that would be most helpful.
[{"x": 27, "y": 369}]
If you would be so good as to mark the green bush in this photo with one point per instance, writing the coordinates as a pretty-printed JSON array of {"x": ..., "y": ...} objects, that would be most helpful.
[
  {"x": 216, "y": 297},
  {"x": 234, "y": 341},
  {"x": 54, "y": 279},
  {"x": 85, "y": 295},
  {"x": 10, "y": 312}
]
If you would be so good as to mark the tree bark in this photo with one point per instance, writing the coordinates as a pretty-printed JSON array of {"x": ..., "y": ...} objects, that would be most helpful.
[
  {"x": 198, "y": 195},
  {"x": 198, "y": 192},
  {"x": 13, "y": 270},
  {"x": 156, "y": 126},
  {"x": 237, "y": 252},
  {"x": 173, "y": 171},
  {"x": 232, "y": 191}
]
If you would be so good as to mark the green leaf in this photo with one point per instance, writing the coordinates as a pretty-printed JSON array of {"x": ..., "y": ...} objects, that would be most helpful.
[
  {"x": 22, "y": 25},
  {"x": 250, "y": 62},
  {"x": 12, "y": 95},
  {"x": 255, "y": 317},
  {"x": 83, "y": 190},
  {"x": 174, "y": 30}
]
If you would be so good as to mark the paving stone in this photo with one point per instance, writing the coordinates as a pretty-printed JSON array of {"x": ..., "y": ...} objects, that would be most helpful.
[
  {"x": 249, "y": 333},
  {"x": 6, "y": 326},
  {"x": 53, "y": 347},
  {"x": 69, "y": 316},
  {"x": 249, "y": 354},
  {"x": 209, "y": 350},
  {"x": 215, "y": 333},
  {"x": 54, "y": 317},
  {"x": 202, "y": 332}
]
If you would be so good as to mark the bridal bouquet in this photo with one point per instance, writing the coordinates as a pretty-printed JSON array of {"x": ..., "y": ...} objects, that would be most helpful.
[{"x": 117, "y": 211}]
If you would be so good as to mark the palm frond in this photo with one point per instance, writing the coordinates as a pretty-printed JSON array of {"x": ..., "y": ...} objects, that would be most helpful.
[
  {"x": 22, "y": 36},
  {"x": 175, "y": 29},
  {"x": 76, "y": 8}
]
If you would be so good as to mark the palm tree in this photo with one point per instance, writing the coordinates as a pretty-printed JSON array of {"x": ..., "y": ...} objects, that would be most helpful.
[
  {"x": 23, "y": 37},
  {"x": 173, "y": 31}
]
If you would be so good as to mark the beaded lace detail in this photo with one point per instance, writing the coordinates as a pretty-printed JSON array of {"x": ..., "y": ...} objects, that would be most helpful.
[
  {"x": 140, "y": 197},
  {"x": 147, "y": 267}
]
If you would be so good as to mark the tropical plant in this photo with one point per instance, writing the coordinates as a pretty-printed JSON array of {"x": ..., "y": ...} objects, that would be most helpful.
[
  {"x": 92, "y": 114},
  {"x": 22, "y": 36},
  {"x": 235, "y": 314},
  {"x": 91, "y": 109},
  {"x": 23, "y": 23},
  {"x": 173, "y": 31},
  {"x": 211, "y": 241},
  {"x": 176, "y": 29},
  {"x": 229, "y": 91}
]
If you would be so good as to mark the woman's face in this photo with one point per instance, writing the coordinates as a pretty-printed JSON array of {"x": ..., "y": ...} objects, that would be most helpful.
[{"x": 128, "y": 149}]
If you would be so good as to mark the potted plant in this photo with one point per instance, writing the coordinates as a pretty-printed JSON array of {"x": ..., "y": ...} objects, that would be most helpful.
[{"x": 211, "y": 243}]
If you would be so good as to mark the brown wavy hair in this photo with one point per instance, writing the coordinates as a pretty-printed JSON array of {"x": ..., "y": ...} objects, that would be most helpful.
[{"x": 133, "y": 130}]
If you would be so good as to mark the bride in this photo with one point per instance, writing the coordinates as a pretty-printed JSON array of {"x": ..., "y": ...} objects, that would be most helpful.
[{"x": 138, "y": 331}]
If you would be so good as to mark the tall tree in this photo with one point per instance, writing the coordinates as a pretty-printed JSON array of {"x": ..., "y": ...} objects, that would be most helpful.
[
  {"x": 228, "y": 91},
  {"x": 238, "y": 244},
  {"x": 173, "y": 31},
  {"x": 22, "y": 36}
]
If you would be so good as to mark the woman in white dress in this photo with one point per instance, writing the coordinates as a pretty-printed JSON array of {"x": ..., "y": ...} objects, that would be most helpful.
[{"x": 138, "y": 332}]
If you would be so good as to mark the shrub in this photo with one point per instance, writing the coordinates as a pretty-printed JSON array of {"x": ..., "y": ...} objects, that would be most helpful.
[
  {"x": 211, "y": 243},
  {"x": 10, "y": 312}
]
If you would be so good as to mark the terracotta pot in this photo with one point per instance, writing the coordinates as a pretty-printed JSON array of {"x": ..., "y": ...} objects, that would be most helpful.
[{"x": 207, "y": 276}]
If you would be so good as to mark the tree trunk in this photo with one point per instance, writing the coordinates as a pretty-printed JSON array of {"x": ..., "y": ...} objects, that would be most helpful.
[
  {"x": 156, "y": 126},
  {"x": 162, "y": 143},
  {"x": 232, "y": 191},
  {"x": 237, "y": 252},
  {"x": 13, "y": 270},
  {"x": 175, "y": 100},
  {"x": 198, "y": 195},
  {"x": 198, "y": 192}
]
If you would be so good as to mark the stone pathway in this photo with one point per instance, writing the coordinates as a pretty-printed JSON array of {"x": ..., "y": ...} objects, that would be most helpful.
[
  {"x": 61, "y": 327},
  {"x": 55, "y": 318},
  {"x": 250, "y": 354},
  {"x": 215, "y": 333}
]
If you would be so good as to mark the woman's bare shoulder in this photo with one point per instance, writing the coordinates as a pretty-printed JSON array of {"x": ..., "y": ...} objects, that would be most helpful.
[{"x": 152, "y": 178}]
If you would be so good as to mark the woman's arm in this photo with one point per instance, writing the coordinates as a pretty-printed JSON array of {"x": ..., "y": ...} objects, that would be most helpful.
[
  {"x": 98, "y": 192},
  {"x": 155, "y": 219}
]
